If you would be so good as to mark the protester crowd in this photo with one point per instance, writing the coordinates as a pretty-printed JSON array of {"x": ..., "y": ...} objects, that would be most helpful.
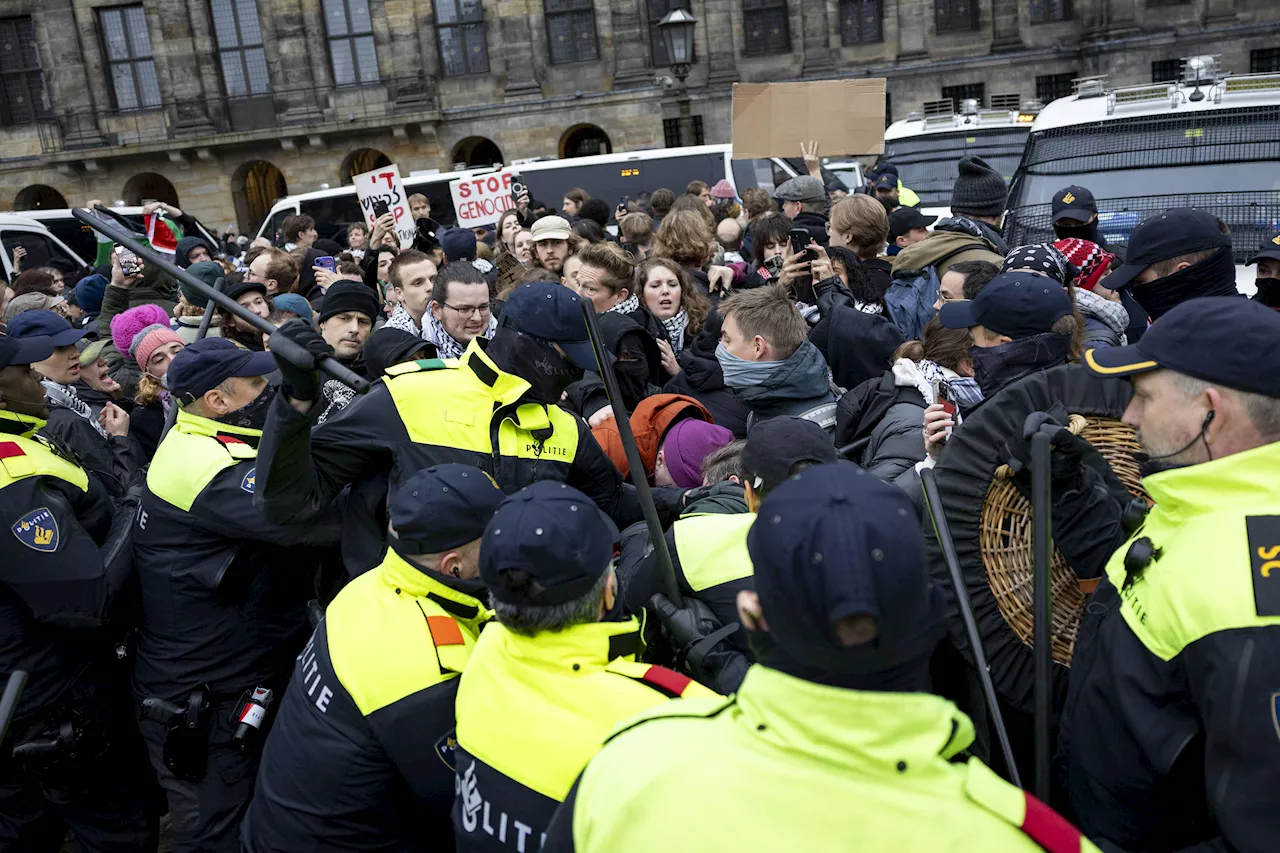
[{"x": 293, "y": 615}]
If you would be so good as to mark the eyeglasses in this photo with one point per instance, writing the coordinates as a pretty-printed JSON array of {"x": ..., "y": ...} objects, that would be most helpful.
[{"x": 467, "y": 310}]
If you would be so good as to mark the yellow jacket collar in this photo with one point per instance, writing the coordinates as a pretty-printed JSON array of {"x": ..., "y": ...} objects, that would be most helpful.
[
  {"x": 196, "y": 425},
  {"x": 507, "y": 387},
  {"x": 1247, "y": 479},
  {"x": 581, "y": 648},
  {"x": 399, "y": 573},
  {"x": 860, "y": 728},
  {"x": 16, "y": 424}
]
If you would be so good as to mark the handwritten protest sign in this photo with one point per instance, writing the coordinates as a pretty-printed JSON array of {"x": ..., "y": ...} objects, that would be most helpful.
[
  {"x": 480, "y": 199},
  {"x": 382, "y": 190}
]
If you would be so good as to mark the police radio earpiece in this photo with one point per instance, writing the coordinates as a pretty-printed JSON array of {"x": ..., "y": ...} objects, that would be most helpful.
[{"x": 1144, "y": 458}]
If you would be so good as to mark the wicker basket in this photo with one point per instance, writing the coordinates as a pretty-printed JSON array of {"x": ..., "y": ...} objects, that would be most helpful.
[{"x": 1006, "y": 544}]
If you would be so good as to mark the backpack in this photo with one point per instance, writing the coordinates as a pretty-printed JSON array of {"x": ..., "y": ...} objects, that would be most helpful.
[{"x": 912, "y": 294}]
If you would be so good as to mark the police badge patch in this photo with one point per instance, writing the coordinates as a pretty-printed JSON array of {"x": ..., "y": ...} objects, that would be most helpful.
[
  {"x": 249, "y": 480},
  {"x": 446, "y": 749},
  {"x": 38, "y": 530}
]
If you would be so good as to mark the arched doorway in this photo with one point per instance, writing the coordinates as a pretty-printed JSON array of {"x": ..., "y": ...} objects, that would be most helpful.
[
  {"x": 38, "y": 197},
  {"x": 584, "y": 140},
  {"x": 255, "y": 187},
  {"x": 148, "y": 186},
  {"x": 360, "y": 161},
  {"x": 476, "y": 151}
]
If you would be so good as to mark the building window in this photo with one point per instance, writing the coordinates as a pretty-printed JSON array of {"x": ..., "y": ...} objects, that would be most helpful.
[
  {"x": 22, "y": 97},
  {"x": 1166, "y": 70},
  {"x": 129, "y": 64},
  {"x": 571, "y": 31},
  {"x": 658, "y": 10},
  {"x": 766, "y": 25},
  {"x": 1048, "y": 11},
  {"x": 460, "y": 29},
  {"x": 1050, "y": 87},
  {"x": 957, "y": 94},
  {"x": 671, "y": 132},
  {"x": 860, "y": 21},
  {"x": 1264, "y": 60},
  {"x": 244, "y": 65},
  {"x": 955, "y": 16},
  {"x": 350, "y": 32}
]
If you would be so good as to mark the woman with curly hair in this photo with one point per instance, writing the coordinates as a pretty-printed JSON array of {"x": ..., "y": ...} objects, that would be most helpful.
[{"x": 667, "y": 293}]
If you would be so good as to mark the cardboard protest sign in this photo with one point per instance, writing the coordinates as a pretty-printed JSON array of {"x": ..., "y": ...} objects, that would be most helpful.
[
  {"x": 480, "y": 199},
  {"x": 382, "y": 190},
  {"x": 844, "y": 116}
]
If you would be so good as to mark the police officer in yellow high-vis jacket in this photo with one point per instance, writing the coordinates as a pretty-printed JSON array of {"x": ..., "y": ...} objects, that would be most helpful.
[
  {"x": 552, "y": 675},
  {"x": 71, "y": 756},
  {"x": 833, "y": 741},
  {"x": 224, "y": 595},
  {"x": 494, "y": 408},
  {"x": 709, "y": 555},
  {"x": 1170, "y": 736},
  {"x": 361, "y": 756}
]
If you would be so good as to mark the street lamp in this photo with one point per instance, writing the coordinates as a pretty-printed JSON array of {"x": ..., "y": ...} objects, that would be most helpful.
[{"x": 677, "y": 36}]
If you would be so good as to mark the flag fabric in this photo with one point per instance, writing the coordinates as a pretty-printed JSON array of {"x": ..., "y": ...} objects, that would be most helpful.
[{"x": 160, "y": 235}]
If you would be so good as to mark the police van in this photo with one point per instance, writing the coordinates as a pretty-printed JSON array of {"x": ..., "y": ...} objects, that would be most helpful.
[
  {"x": 42, "y": 246},
  {"x": 608, "y": 176},
  {"x": 81, "y": 238},
  {"x": 1210, "y": 140},
  {"x": 927, "y": 146}
]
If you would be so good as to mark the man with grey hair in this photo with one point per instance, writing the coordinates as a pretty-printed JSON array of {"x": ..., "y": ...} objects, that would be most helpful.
[
  {"x": 552, "y": 676},
  {"x": 1170, "y": 735}
]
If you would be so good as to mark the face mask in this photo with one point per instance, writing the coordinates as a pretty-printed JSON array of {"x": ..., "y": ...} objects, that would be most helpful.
[
  {"x": 535, "y": 361},
  {"x": 1088, "y": 231},
  {"x": 1268, "y": 292},
  {"x": 740, "y": 373},
  {"x": 633, "y": 380},
  {"x": 1215, "y": 276},
  {"x": 253, "y": 415}
]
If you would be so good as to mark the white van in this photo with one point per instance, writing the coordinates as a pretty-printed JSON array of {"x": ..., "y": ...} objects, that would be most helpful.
[
  {"x": 335, "y": 210},
  {"x": 80, "y": 237},
  {"x": 611, "y": 177},
  {"x": 41, "y": 245}
]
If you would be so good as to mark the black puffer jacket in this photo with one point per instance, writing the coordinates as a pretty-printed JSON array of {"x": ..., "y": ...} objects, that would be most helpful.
[
  {"x": 109, "y": 459},
  {"x": 883, "y": 419}
]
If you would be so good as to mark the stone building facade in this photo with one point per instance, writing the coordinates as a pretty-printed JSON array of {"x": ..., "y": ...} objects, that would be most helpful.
[{"x": 222, "y": 105}]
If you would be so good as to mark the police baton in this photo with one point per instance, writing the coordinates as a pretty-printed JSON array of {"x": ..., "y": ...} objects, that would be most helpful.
[
  {"x": 9, "y": 700},
  {"x": 941, "y": 529},
  {"x": 638, "y": 477},
  {"x": 1042, "y": 603},
  {"x": 281, "y": 346}
]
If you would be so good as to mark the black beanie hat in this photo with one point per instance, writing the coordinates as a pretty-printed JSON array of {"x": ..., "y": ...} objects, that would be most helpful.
[
  {"x": 343, "y": 296},
  {"x": 979, "y": 190}
]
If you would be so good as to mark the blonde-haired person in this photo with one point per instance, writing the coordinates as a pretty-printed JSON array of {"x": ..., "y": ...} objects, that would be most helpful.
[
  {"x": 860, "y": 223},
  {"x": 667, "y": 293}
]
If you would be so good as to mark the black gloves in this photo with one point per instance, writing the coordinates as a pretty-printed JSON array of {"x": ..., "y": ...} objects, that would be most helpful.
[
  {"x": 1067, "y": 450},
  {"x": 700, "y": 643},
  {"x": 297, "y": 348}
]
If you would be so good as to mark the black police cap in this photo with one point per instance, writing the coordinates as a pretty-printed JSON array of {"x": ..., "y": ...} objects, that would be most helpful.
[
  {"x": 1074, "y": 202},
  {"x": 1176, "y": 232},
  {"x": 777, "y": 445},
  {"x": 442, "y": 507},
  {"x": 1226, "y": 340}
]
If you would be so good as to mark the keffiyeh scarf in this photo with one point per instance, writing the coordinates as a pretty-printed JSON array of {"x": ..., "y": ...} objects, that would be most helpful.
[
  {"x": 630, "y": 305},
  {"x": 65, "y": 397},
  {"x": 446, "y": 345},
  {"x": 675, "y": 327}
]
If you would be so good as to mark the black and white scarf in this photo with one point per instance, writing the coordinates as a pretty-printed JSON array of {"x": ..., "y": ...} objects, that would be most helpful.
[
  {"x": 446, "y": 345},
  {"x": 65, "y": 397},
  {"x": 630, "y": 305},
  {"x": 675, "y": 327}
]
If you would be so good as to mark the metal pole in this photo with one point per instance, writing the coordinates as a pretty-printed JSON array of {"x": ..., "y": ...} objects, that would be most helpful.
[
  {"x": 9, "y": 700},
  {"x": 620, "y": 417},
  {"x": 686, "y": 113},
  {"x": 280, "y": 345},
  {"x": 1042, "y": 590},
  {"x": 933, "y": 500}
]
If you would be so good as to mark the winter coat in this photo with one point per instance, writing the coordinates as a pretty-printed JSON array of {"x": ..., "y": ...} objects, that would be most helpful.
[
  {"x": 649, "y": 423},
  {"x": 800, "y": 387},
  {"x": 945, "y": 249},
  {"x": 856, "y": 345},
  {"x": 700, "y": 377},
  {"x": 1104, "y": 321},
  {"x": 108, "y": 458},
  {"x": 884, "y": 420}
]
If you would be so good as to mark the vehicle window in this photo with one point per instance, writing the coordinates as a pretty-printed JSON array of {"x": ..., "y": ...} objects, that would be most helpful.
[
  {"x": 78, "y": 236},
  {"x": 611, "y": 181},
  {"x": 334, "y": 214},
  {"x": 927, "y": 164},
  {"x": 754, "y": 173},
  {"x": 40, "y": 249},
  {"x": 273, "y": 228},
  {"x": 441, "y": 200}
]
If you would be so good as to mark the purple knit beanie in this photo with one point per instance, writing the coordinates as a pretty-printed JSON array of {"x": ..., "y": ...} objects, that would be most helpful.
[
  {"x": 125, "y": 325},
  {"x": 688, "y": 443}
]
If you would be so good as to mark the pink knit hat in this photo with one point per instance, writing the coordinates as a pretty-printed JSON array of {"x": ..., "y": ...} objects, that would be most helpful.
[
  {"x": 146, "y": 342},
  {"x": 688, "y": 443},
  {"x": 127, "y": 324},
  {"x": 723, "y": 189}
]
